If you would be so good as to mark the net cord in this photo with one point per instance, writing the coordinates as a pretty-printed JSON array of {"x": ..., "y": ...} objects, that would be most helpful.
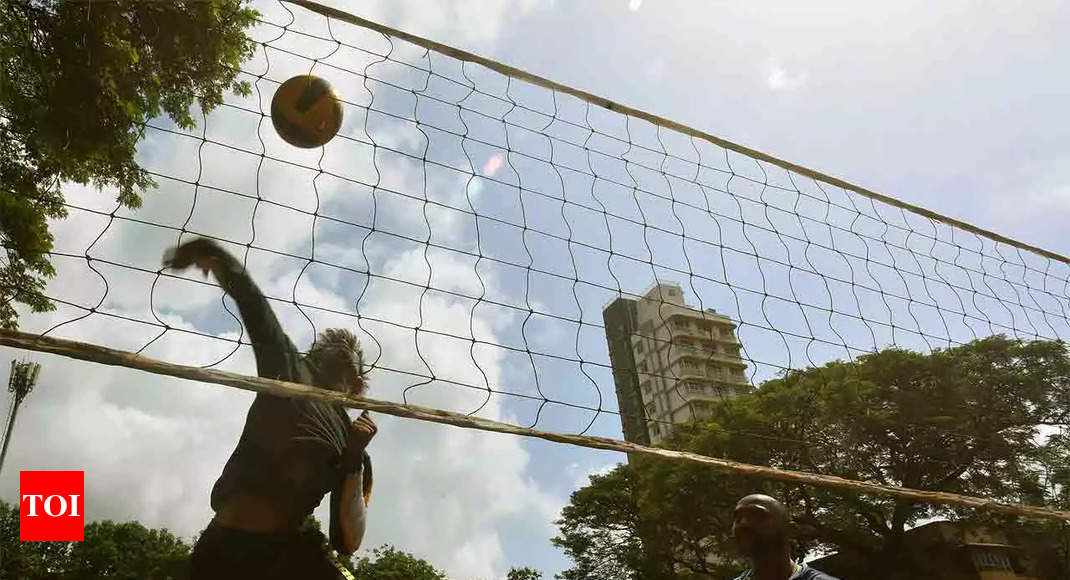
[
  {"x": 616, "y": 107},
  {"x": 113, "y": 357}
]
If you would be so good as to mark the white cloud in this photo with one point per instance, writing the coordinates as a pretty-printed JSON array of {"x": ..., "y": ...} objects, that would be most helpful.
[
  {"x": 468, "y": 23},
  {"x": 152, "y": 447},
  {"x": 583, "y": 478},
  {"x": 778, "y": 78},
  {"x": 655, "y": 70}
]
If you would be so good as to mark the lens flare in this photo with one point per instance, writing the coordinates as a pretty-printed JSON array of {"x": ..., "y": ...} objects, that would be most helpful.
[{"x": 493, "y": 164}]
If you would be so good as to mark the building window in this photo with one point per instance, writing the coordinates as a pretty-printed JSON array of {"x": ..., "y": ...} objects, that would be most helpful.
[
  {"x": 689, "y": 367},
  {"x": 695, "y": 387},
  {"x": 655, "y": 429},
  {"x": 646, "y": 388},
  {"x": 642, "y": 367},
  {"x": 991, "y": 560},
  {"x": 651, "y": 409},
  {"x": 673, "y": 292},
  {"x": 639, "y": 347}
]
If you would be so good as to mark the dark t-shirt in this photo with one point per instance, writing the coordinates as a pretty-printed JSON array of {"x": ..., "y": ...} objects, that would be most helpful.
[
  {"x": 277, "y": 455},
  {"x": 803, "y": 573},
  {"x": 808, "y": 573}
]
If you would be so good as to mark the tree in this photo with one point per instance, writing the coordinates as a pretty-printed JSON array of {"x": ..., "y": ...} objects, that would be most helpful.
[
  {"x": 976, "y": 419},
  {"x": 29, "y": 560},
  {"x": 524, "y": 573},
  {"x": 110, "y": 550},
  {"x": 600, "y": 528},
  {"x": 390, "y": 563},
  {"x": 78, "y": 80},
  {"x": 616, "y": 529},
  {"x": 127, "y": 550}
]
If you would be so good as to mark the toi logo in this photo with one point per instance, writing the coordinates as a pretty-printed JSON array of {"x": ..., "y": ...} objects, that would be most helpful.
[{"x": 51, "y": 506}]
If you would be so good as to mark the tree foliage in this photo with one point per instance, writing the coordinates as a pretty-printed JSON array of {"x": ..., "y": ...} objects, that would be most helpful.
[
  {"x": 389, "y": 563},
  {"x": 123, "y": 551},
  {"x": 600, "y": 528},
  {"x": 524, "y": 573},
  {"x": 986, "y": 419},
  {"x": 78, "y": 80}
]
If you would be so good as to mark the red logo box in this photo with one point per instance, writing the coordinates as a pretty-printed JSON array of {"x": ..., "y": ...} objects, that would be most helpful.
[{"x": 51, "y": 506}]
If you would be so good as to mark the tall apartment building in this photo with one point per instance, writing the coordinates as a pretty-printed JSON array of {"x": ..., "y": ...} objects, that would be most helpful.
[{"x": 670, "y": 361}]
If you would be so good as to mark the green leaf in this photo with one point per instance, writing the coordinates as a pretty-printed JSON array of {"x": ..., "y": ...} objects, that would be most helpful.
[{"x": 73, "y": 102}]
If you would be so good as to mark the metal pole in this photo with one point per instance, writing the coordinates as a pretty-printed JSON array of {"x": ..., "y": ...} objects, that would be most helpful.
[
  {"x": 7, "y": 435},
  {"x": 21, "y": 381}
]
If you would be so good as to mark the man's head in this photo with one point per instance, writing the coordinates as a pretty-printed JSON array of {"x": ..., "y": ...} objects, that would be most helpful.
[
  {"x": 339, "y": 361},
  {"x": 761, "y": 526}
]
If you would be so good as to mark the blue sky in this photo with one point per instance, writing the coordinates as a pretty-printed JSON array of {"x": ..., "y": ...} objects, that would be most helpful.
[{"x": 954, "y": 108}]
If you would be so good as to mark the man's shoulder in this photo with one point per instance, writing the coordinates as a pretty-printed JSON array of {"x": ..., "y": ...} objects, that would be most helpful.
[
  {"x": 809, "y": 573},
  {"x": 806, "y": 573}
]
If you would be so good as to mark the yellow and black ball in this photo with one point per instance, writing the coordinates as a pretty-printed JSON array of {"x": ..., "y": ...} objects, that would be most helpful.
[{"x": 306, "y": 112}]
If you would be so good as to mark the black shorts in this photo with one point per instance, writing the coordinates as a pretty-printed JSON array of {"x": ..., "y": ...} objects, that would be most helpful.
[{"x": 228, "y": 553}]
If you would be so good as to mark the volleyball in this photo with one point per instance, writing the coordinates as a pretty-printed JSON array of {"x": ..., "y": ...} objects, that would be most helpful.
[{"x": 306, "y": 112}]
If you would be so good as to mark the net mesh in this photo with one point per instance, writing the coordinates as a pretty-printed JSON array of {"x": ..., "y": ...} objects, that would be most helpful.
[{"x": 471, "y": 227}]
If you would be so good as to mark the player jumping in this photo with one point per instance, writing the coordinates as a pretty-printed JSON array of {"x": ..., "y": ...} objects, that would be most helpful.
[{"x": 291, "y": 453}]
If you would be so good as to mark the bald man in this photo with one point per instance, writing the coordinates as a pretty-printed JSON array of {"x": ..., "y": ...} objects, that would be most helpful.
[{"x": 763, "y": 531}]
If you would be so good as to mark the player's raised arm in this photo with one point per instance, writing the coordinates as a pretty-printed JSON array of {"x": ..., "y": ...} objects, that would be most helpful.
[
  {"x": 272, "y": 347},
  {"x": 349, "y": 502}
]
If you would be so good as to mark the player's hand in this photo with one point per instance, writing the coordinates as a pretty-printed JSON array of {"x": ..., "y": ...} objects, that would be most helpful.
[
  {"x": 202, "y": 253},
  {"x": 361, "y": 432}
]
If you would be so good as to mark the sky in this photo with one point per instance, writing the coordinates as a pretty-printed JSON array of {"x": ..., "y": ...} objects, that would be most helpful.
[{"x": 954, "y": 108}]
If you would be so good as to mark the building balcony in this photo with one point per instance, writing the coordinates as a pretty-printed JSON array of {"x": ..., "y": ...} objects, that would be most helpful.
[
  {"x": 709, "y": 376},
  {"x": 720, "y": 392},
  {"x": 691, "y": 374},
  {"x": 698, "y": 321},
  {"x": 642, "y": 347},
  {"x": 678, "y": 352},
  {"x": 687, "y": 383},
  {"x": 701, "y": 398},
  {"x": 727, "y": 339},
  {"x": 698, "y": 315},
  {"x": 693, "y": 333}
]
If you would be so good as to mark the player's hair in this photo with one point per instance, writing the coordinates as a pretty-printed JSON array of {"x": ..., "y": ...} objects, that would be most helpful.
[{"x": 336, "y": 353}]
